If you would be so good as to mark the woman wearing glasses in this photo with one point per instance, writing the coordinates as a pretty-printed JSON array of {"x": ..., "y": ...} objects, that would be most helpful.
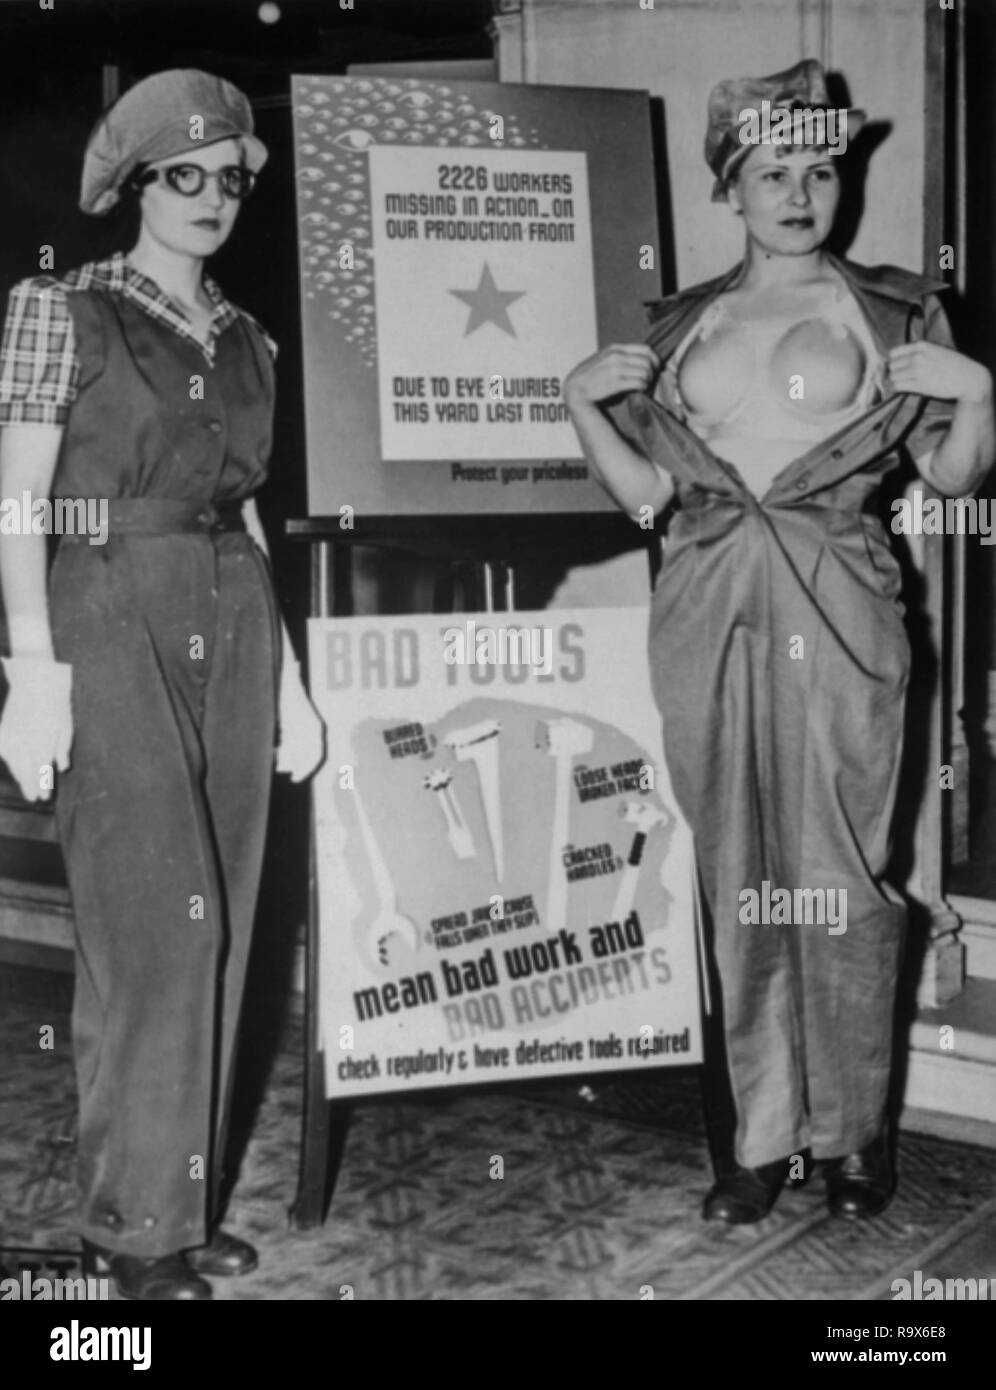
[{"x": 152, "y": 670}]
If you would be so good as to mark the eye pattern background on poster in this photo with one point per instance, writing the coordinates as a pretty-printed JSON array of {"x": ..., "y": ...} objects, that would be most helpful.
[
  {"x": 479, "y": 270},
  {"x": 505, "y": 881}
]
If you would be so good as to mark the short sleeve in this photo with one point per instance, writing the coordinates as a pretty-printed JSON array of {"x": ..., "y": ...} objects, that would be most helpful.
[
  {"x": 269, "y": 343},
  {"x": 933, "y": 421},
  {"x": 39, "y": 368}
]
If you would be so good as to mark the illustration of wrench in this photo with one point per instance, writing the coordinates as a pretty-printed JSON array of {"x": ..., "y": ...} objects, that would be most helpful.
[{"x": 388, "y": 921}]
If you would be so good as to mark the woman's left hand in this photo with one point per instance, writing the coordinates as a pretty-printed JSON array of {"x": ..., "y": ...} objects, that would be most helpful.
[
  {"x": 301, "y": 748},
  {"x": 927, "y": 369}
]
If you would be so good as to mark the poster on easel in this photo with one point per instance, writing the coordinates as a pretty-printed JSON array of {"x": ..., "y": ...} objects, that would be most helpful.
[
  {"x": 505, "y": 883},
  {"x": 462, "y": 246}
]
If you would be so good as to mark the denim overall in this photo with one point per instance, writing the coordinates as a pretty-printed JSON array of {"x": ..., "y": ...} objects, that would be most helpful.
[
  {"x": 786, "y": 769},
  {"x": 172, "y": 632}
]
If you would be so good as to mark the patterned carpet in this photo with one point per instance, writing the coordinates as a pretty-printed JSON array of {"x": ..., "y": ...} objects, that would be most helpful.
[{"x": 598, "y": 1200}]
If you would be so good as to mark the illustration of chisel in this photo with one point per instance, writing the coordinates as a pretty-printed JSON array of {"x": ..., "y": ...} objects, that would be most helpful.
[
  {"x": 457, "y": 830},
  {"x": 478, "y": 743}
]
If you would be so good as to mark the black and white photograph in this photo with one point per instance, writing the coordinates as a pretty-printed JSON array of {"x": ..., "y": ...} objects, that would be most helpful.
[{"x": 498, "y": 649}]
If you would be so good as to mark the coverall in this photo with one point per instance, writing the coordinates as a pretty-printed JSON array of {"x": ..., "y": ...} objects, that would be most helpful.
[
  {"x": 172, "y": 632},
  {"x": 786, "y": 769}
]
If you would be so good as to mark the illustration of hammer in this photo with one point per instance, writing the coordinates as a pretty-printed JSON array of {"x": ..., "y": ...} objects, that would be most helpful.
[
  {"x": 645, "y": 817},
  {"x": 564, "y": 739},
  {"x": 478, "y": 743}
]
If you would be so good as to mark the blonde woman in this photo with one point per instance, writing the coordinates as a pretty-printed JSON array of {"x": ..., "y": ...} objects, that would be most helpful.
[{"x": 770, "y": 403}]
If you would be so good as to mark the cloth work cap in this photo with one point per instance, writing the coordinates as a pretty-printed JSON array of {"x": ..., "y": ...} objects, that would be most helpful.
[
  {"x": 175, "y": 112},
  {"x": 796, "y": 89}
]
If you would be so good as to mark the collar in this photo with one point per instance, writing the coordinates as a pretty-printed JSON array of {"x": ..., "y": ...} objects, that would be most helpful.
[
  {"x": 147, "y": 293},
  {"x": 889, "y": 281}
]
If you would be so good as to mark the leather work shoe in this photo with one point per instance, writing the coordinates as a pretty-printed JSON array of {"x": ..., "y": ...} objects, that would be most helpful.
[
  {"x": 161, "y": 1278},
  {"x": 742, "y": 1195},
  {"x": 224, "y": 1254},
  {"x": 862, "y": 1184}
]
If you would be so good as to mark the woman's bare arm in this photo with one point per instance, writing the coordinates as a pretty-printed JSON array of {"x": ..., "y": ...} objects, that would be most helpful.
[
  {"x": 626, "y": 474},
  {"x": 965, "y": 454},
  {"x": 254, "y": 526},
  {"x": 301, "y": 747},
  {"x": 958, "y": 465},
  {"x": 28, "y": 456}
]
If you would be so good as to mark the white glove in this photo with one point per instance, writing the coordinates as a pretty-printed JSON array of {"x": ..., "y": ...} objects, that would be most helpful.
[
  {"x": 301, "y": 749},
  {"x": 36, "y": 727}
]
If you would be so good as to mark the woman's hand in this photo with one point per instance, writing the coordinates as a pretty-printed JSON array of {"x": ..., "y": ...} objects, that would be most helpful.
[
  {"x": 36, "y": 728},
  {"x": 632, "y": 480},
  {"x": 612, "y": 372},
  {"x": 959, "y": 462},
  {"x": 301, "y": 749},
  {"x": 927, "y": 369}
]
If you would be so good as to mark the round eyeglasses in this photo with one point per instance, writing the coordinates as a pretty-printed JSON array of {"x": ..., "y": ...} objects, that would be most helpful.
[{"x": 234, "y": 180}]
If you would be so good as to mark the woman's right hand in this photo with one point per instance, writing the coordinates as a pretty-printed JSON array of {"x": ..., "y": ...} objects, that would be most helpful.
[
  {"x": 36, "y": 724},
  {"x": 36, "y": 727},
  {"x": 613, "y": 371},
  {"x": 301, "y": 747}
]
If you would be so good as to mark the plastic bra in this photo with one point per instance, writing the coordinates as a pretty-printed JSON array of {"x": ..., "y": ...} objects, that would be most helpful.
[{"x": 762, "y": 393}]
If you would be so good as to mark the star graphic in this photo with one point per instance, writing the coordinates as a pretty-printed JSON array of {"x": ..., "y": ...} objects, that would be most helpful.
[{"x": 488, "y": 304}]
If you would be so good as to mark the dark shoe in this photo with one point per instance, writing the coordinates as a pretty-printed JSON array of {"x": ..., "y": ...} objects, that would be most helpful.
[
  {"x": 743, "y": 1195},
  {"x": 862, "y": 1184},
  {"x": 224, "y": 1255},
  {"x": 164, "y": 1277}
]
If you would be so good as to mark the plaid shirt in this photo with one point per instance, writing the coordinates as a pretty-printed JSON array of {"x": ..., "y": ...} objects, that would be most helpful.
[{"x": 39, "y": 367}]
